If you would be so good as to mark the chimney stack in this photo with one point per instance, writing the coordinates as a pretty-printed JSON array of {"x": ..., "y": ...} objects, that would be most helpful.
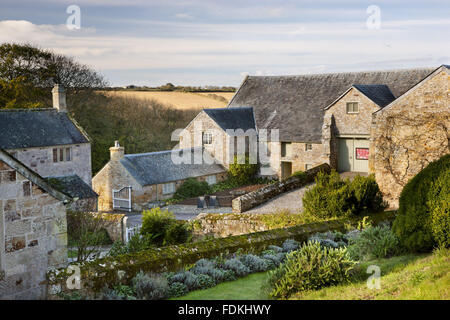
[
  {"x": 117, "y": 152},
  {"x": 59, "y": 98}
]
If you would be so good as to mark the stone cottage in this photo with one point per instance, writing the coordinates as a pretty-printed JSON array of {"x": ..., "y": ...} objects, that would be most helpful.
[
  {"x": 218, "y": 131},
  {"x": 33, "y": 230},
  {"x": 51, "y": 143},
  {"x": 327, "y": 118},
  {"x": 133, "y": 181}
]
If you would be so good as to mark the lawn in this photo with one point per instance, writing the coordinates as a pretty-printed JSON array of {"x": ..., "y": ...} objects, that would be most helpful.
[
  {"x": 414, "y": 277},
  {"x": 247, "y": 288}
]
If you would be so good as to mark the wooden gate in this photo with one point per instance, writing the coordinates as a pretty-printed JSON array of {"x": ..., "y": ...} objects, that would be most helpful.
[{"x": 122, "y": 199}]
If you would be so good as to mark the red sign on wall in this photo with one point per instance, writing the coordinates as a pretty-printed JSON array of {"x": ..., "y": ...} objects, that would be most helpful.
[{"x": 362, "y": 153}]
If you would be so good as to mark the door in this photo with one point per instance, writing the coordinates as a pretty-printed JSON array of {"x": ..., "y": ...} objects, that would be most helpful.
[
  {"x": 286, "y": 169},
  {"x": 345, "y": 160},
  {"x": 353, "y": 155}
]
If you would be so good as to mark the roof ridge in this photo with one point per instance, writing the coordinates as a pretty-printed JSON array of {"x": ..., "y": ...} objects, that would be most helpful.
[
  {"x": 29, "y": 110},
  {"x": 348, "y": 72},
  {"x": 160, "y": 152}
]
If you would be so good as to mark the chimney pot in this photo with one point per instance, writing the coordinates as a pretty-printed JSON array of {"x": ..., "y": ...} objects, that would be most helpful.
[
  {"x": 59, "y": 98},
  {"x": 117, "y": 152}
]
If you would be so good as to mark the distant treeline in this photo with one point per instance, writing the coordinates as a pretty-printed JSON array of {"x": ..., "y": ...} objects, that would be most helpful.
[{"x": 171, "y": 87}]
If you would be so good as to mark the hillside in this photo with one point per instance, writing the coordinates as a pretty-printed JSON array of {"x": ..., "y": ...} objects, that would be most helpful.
[{"x": 178, "y": 100}]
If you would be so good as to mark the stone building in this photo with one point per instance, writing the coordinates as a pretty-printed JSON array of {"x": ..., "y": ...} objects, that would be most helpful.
[
  {"x": 51, "y": 143},
  {"x": 218, "y": 131},
  {"x": 133, "y": 181},
  {"x": 411, "y": 132},
  {"x": 33, "y": 230},
  {"x": 328, "y": 118}
]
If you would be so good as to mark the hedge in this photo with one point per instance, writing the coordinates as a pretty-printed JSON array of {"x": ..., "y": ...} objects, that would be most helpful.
[{"x": 108, "y": 271}]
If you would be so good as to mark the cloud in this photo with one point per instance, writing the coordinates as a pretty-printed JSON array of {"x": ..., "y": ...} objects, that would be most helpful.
[{"x": 197, "y": 52}]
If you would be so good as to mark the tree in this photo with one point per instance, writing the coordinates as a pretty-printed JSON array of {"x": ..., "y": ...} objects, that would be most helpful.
[
  {"x": 86, "y": 231},
  {"x": 27, "y": 73}
]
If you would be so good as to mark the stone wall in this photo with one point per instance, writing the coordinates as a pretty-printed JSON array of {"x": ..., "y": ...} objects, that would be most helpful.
[
  {"x": 34, "y": 236},
  {"x": 40, "y": 160},
  {"x": 113, "y": 270},
  {"x": 260, "y": 196},
  {"x": 410, "y": 133},
  {"x": 226, "y": 225}
]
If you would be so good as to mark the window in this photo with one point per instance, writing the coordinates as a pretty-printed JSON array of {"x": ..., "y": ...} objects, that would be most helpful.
[
  {"x": 62, "y": 154},
  {"x": 211, "y": 180},
  {"x": 168, "y": 188},
  {"x": 207, "y": 138},
  {"x": 26, "y": 188},
  {"x": 308, "y": 166},
  {"x": 308, "y": 146},
  {"x": 352, "y": 107},
  {"x": 286, "y": 149}
]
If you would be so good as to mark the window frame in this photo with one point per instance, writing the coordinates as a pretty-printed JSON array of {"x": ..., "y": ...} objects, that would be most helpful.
[
  {"x": 62, "y": 154},
  {"x": 353, "y": 103},
  {"x": 308, "y": 146},
  {"x": 210, "y": 177},
  {"x": 308, "y": 166},
  {"x": 209, "y": 140},
  {"x": 165, "y": 186},
  {"x": 287, "y": 152}
]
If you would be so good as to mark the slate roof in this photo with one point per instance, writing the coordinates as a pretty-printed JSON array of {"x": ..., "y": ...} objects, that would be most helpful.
[
  {"x": 37, "y": 128},
  {"x": 158, "y": 167},
  {"x": 232, "y": 118},
  {"x": 33, "y": 176},
  {"x": 295, "y": 104},
  {"x": 378, "y": 93},
  {"x": 73, "y": 186}
]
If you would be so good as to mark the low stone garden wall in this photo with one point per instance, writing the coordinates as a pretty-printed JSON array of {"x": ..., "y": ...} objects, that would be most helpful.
[
  {"x": 255, "y": 198},
  {"x": 109, "y": 271}
]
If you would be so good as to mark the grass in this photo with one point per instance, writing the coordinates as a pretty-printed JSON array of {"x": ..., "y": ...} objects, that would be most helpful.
[
  {"x": 409, "y": 277},
  {"x": 247, "y": 288}
]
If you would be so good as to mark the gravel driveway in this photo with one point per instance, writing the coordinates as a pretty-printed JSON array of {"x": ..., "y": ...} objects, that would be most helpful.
[{"x": 291, "y": 200}]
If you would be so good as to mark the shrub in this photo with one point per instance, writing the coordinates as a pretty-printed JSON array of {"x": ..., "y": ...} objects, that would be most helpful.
[
  {"x": 276, "y": 259},
  {"x": 241, "y": 170},
  {"x": 150, "y": 287},
  {"x": 310, "y": 268},
  {"x": 330, "y": 239},
  {"x": 136, "y": 243},
  {"x": 334, "y": 197},
  {"x": 276, "y": 249},
  {"x": 177, "y": 232},
  {"x": 290, "y": 245},
  {"x": 191, "y": 281},
  {"x": 159, "y": 227},
  {"x": 440, "y": 224},
  {"x": 192, "y": 188},
  {"x": 237, "y": 267},
  {"x": 205, "y": 263},
  {"x": 374, "y": 243},
  {"x": 368, "y": 197},
  {"x": 330, "y": 197},
  {"x": 177, "y": 289},
  {"x": 422, "y": 208},
  {"x": 254, "y": 263},
  {"x": 205, "y": 281}
]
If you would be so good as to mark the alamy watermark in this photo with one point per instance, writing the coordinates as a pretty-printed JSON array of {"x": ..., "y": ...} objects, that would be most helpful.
[
  {"x": 73, "y": 22},
  {"x": 374, "y": 19},
  {"x": 374, "y": 281}
]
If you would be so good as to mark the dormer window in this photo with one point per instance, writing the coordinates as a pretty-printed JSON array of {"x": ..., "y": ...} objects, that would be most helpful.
[{"x": 352, "y": 107}]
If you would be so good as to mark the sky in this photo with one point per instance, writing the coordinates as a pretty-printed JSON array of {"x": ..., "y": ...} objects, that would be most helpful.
[{"x": 219, "y": 42}]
